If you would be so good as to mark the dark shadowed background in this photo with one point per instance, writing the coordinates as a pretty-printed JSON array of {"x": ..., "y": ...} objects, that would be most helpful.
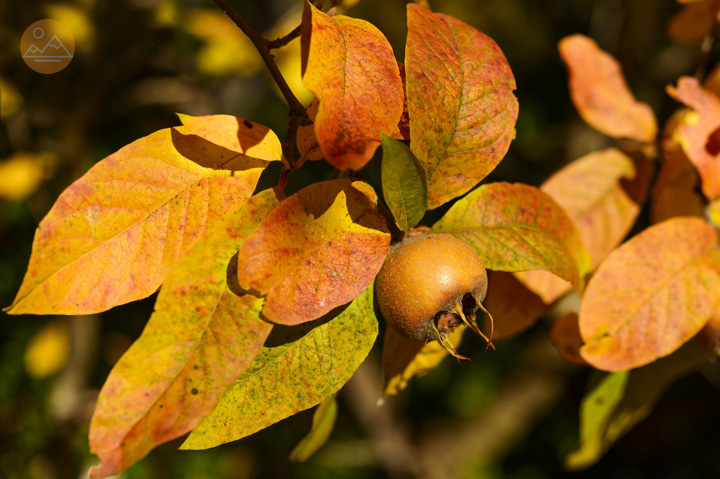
[{"x": 511, "y": 413}]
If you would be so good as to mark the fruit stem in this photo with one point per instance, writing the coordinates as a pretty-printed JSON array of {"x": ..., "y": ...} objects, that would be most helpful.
[
  {"x": 492, "y": 325},
  {"x": 447, "y": 345}
]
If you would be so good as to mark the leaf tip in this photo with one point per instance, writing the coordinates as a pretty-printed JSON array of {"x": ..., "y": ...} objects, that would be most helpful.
[{"x": 183, "y": 117}]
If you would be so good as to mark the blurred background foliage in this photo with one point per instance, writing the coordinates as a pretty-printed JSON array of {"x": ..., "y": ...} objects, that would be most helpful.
[{"x": 512, "y": 413}]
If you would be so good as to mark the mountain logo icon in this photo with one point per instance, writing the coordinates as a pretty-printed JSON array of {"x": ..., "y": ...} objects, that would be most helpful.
[{"x": 47, "y": 46}]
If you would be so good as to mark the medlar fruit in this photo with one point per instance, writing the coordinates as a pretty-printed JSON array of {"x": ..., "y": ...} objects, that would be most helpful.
[{"x": 429, "y": 285}]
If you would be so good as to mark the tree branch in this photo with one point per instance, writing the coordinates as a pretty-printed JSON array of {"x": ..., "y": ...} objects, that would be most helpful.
[
  {"x": 263, "y": 46},
  {"x": 282, "y": 41}
]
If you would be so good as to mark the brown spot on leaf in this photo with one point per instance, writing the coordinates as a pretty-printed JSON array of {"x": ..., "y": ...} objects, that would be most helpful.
[{"x": 713, "y": 144}]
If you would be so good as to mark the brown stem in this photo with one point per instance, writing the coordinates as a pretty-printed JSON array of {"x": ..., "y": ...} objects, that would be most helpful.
[
  {"x": 284, "y": 40},
  {"x": 263, "y": 47}
]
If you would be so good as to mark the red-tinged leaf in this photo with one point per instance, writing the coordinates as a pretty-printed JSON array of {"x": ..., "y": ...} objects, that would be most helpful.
[
  {"x": 317, "y": 250},
  {"x": 460, "y": 101},
  {"x": 693, "y": 22},
  {"x": 402, "y": 131},
  {"x": 696, "y": 131},
  {"x": 516, "y": 227},
  {"x": 197, "y": 342},
  {"x": 114, "y": 234},
  {"x": 514, "y": 307},
  {"x": 589, "y": 191},
  {"x": 600, "y": 93},
  {"x": 675, "y": 192},
  {"x": 306, "y": 141},
  {"x": 404, "y": 359},
  {"x": 565, "y": 334},
  {"x": 651, "y": 295},
  {"x": 297, "y": 368},
  {"x": 350, "y": 67}
]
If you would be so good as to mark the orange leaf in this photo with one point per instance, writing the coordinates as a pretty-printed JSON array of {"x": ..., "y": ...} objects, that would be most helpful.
[
  {"x": 675, "y": 192},
  {"x": 402, "y": 131},
  {"x": 318, "y": 249},
  {"x": 199, "y": 339},
  {"x": 697, "y": 129},
  {"x": 460, "y": 100},
  {"x": 398, "y": 354},
  {"x": 514, "y": 307},
  {"x": 544, "y": 284},
  {"x": 600, "y": 93},
  {"x": 306, "y": 141},
  {"x": 565, "y": 334},
  {"x": 693, "y": 21},
  {"x": 589, "y": 191},
  {"x": 114, "y": 234},
  {"x": 350, "y": 67},
  {"x": 651, "y": 295}
]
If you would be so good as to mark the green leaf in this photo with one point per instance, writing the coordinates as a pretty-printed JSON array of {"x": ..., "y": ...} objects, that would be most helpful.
[
  {"x": 516, "y": 227},
  {"x": 623, "y": 399},
  {"x": 322, "y": 425},
  {"x": 403, "y": 182},
  {"x": 299, "y": 367}
]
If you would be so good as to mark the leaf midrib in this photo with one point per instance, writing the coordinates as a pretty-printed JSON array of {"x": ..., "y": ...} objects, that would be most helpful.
[{"x": 52, "y": 274}]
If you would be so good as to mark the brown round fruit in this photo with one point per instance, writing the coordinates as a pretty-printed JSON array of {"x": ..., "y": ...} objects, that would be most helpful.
[{"x": 429, "y": 285}]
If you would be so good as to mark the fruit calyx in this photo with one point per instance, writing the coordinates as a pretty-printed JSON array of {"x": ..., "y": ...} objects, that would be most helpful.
[{"x": 429, "y": 285}]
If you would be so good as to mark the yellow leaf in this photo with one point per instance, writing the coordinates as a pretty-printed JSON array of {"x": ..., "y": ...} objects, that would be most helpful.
[
  {"x": 114, "y": 234},
  {"x": 322, "y": 426},
  {"x": 227, "y": 50},
  {"x": 10, "y": 98},
  {"x": 287, "y": 58},
  {"x": 76, "y": 20},
  {"x": 404, "y": 359},
  {"x": 167, "y": 13},
  {"x": 48, "y": 350},
  {"x": 22, "y": 174}
]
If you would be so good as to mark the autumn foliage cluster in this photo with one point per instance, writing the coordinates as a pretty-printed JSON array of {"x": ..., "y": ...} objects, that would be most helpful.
[{"x": 257, "y": 289}]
